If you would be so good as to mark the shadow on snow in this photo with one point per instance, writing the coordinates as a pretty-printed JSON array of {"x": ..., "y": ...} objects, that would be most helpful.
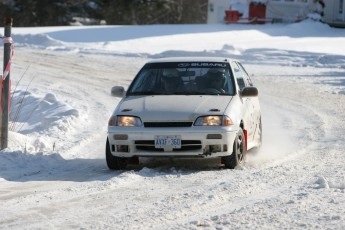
[{"x": 21, "y": 167}]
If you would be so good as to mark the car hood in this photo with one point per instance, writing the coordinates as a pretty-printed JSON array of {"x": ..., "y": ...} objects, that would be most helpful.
[{"x": 173, "y": 108}]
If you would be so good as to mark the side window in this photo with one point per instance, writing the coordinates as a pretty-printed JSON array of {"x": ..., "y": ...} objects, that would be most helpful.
[
  {"x": 229, "y": 88},
  {"x": 146, "y": 81},
  {"x": 241, "y": 81},
  {"x": 246, "y": 75}
]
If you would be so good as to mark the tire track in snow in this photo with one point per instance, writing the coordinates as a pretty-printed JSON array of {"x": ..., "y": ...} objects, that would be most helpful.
[{"x": 283, "y": 191}]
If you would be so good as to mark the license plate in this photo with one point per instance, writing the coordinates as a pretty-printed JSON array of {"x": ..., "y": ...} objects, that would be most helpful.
[{"x": 170, "y": 141}]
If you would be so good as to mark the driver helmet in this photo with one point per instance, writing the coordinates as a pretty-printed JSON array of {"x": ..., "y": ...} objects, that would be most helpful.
[
  {"x": 171, "y": 75},
  {"x": 217, "y": 74}
]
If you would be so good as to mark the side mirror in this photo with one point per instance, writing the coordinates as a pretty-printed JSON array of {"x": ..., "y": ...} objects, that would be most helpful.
[
  {"x": 250, "y": 91},
  {"x": 118, "y": 91}
]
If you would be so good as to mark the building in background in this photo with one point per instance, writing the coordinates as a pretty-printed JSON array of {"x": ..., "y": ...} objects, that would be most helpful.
[
  {"x": 276, "y": 10},
  {"x": 334, "y": 12},
  {"x": 245, "y": 11},
  {"x": 289, "y": 10}
]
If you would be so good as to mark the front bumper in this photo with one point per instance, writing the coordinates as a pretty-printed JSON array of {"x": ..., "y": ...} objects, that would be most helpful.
[{"x": 195, "y": 141}]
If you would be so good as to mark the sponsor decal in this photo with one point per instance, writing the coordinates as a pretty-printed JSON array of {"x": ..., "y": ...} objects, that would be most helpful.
[
  {"x": 202, "y": 64},
  {"x": 183, "y": 65}
]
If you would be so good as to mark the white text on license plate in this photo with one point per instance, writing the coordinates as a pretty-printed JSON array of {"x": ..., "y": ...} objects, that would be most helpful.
[{"x": 170, "y": 141}]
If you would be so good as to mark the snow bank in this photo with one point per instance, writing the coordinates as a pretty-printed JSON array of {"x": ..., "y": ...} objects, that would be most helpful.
[{"x": 30, "y": 114}]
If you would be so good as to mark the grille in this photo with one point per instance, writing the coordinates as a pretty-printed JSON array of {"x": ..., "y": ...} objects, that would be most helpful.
[
  {"x": 167, "y": 124},
  {"x": 149, "y": 145}
]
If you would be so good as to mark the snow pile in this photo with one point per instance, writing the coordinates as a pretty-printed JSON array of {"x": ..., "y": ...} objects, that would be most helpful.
[
  {"x": 306, "y": 36},
  {"x": 30, "y": 114},
  {"x": 36, "y": 41}
]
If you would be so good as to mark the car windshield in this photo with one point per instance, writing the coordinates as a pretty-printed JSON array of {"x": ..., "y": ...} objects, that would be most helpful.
[{"x": 187, "y": 78}]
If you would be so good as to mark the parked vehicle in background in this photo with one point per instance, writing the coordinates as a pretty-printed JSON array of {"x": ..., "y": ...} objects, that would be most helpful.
[{"x": 185, "y": 107}]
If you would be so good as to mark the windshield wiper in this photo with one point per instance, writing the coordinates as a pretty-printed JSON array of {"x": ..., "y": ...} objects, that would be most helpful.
[
  {"x": 177, "y": 93},
  {"x": 144, "y": 93},
  {"x": 209, "y": 93},
  {"x": 202, "y": 93}
]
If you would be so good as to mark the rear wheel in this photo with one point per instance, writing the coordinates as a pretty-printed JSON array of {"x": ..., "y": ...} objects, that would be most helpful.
[
  {"x": 238, "y": 153},
  {"x": 113, "y": 162}
]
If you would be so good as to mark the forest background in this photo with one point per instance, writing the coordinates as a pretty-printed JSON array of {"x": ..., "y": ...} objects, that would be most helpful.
[{"x": 111, "y": 12}]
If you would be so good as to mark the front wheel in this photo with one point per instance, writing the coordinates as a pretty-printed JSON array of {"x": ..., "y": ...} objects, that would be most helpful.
[
  {"x": 113, "y": 162},
  {"x": 237, "y": 158}
]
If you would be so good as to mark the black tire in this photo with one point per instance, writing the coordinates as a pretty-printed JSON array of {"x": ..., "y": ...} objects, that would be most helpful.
[
  {"x": 238, "y": 153},
  {"x": 113, "y": 162}
]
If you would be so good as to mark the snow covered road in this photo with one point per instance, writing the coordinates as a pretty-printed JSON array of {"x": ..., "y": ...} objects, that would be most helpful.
[{"x": 296, "y": 181}]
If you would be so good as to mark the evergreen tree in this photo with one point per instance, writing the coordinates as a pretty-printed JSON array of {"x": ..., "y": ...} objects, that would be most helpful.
[{"x": 120, "y": 12}]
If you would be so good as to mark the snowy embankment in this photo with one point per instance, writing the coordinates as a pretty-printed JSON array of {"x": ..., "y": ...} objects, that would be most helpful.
[{"x": 53, "y": 175}]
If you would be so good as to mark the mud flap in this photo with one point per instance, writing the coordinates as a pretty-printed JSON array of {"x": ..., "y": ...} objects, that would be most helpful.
[{"x": 245, "y": 139}]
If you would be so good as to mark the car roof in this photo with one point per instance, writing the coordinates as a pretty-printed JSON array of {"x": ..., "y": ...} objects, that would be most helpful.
[{"x": 191, "y": 59}]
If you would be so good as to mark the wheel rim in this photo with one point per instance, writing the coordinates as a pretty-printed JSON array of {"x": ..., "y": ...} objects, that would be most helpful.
[{"x": 239, "y": 148}]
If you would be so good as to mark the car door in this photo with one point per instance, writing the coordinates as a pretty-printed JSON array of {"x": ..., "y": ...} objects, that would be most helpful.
[
  {"x": 254, "y": 100},
  {"x": 248, "y": 104}
]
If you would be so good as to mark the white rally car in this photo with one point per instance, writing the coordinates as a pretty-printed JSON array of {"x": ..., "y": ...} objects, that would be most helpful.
[{"x": 185, "y": 107}]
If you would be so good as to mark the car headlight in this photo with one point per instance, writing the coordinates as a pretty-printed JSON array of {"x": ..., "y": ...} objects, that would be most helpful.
[
  {"x": 213, "y": 121},
  {"x": 129, "y": 121}
]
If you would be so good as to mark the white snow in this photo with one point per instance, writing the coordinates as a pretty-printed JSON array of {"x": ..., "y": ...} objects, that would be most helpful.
[{"x": 53, "y": 175}]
